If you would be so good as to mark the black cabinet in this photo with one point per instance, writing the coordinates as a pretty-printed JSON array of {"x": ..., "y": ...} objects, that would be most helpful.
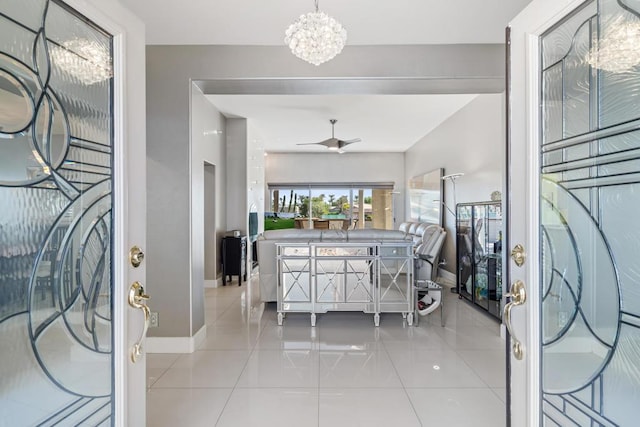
[
  {"x": 479, "y": 250},
  {"x": 234, "y": 259}
]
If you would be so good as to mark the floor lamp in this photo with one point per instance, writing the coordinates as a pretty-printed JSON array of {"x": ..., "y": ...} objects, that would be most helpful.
[{"x": 452, "y": 178}]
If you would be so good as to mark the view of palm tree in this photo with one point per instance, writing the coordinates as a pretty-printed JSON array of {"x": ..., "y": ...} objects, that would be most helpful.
[{"x": 291, "y": 207}]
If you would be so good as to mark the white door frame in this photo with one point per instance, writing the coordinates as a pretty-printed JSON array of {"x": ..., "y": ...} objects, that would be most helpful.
[
  {"x": 129, "y": 210},
  {"x": 524, "y": 223}
]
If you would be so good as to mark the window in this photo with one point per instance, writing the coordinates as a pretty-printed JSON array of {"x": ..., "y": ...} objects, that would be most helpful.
[{"x": 330, "y": 206}]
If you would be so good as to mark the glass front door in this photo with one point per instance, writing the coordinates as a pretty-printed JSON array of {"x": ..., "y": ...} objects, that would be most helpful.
[
  {"x": 589, "y": 202},
  {"x": 56, "y": 157}
]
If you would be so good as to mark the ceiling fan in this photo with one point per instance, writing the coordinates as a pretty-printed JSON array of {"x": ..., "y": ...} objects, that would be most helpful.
[{"x": 334, "y": 143}]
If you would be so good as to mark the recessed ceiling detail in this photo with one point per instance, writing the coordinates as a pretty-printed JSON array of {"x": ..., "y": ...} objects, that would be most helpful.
[{"x": 386, "y": 123}]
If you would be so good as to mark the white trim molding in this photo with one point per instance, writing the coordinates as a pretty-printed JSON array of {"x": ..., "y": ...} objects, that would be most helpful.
[
  {"x": 176, "y": 344},
  {"x": 129, "y": 175}
]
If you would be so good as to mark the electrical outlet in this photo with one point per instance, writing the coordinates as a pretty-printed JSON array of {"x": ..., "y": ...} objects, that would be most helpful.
[{"x": 154, "y": 319}]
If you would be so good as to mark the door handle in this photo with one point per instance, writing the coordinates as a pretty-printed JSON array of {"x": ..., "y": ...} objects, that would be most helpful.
[
  {"x": 138, "y": 299},
  {"x": 518, "y": 296}
]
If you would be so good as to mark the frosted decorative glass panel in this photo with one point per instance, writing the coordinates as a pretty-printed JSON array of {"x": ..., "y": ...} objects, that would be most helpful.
[
  {"x": 590, "y": 196},
  {"x": 55, "y": 217},
  {"x": 552, "y": 102},
  {"x": 577, "y": 83},
  {"x": 619, "y": 90}
]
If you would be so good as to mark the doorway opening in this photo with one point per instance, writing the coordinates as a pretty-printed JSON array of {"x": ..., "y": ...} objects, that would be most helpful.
[{"x": 210, "y": 246}]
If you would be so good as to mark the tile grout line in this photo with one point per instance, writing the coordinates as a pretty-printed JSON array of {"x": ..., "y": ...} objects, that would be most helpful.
[
  {"x": 317, "y": 335},
  {"x": 235, "y": 386},
  {"x": 236, "y": 298},
  {"x": 471, "y": 367},
  {"x": 163, "y": 372},
  {"x": 404, "y": 388}
]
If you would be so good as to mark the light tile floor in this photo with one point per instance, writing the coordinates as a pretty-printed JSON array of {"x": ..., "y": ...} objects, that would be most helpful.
[{"x": 343, "y": 372}]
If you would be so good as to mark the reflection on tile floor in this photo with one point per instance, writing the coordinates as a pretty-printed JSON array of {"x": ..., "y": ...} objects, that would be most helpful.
[{"x": 343, "y": 372}]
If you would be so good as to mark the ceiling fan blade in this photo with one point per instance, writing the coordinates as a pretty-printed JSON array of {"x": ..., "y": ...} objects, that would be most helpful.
[
  {"x": 342, "y": 144},
  {"x": 331, "y": 142}
]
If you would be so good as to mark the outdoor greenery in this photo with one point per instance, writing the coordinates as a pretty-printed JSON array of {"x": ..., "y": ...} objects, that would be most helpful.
[
  {"x": 278, "y": 223},
  {"x": 320, "y": 205}
]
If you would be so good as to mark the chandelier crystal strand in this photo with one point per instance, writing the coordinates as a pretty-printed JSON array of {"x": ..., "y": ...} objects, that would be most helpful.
[
  {"x": 86, "y": 60},
  {"x": 619, "y": 49},
  {"x": 315, "y": 37}
]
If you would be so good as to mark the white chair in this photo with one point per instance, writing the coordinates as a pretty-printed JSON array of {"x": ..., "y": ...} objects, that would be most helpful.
[
  {"x": 428, "y": 253},
  {"x": 427, "y": 259}
]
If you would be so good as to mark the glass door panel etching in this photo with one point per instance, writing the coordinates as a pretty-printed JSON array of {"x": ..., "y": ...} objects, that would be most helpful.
[
  {"x": 589, "y": 193},
  {"x": 56, "y": 154}
]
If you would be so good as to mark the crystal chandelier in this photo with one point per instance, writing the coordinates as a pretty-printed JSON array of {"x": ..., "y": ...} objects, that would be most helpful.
[
  {"x": 619, "y": 49},
  {"x": 315, "y": 37},
  {"x": 86, "y": 60}
]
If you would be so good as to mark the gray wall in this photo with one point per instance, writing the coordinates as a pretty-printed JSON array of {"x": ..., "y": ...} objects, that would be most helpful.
[
  {"x": 471, "y": 141},
  {"x": 170, "y": 71},
  {"x": 245, "y": 178},
  {"x": 168, "y": 219},
  {"x": 236, "y": 202},
  {"x": 256, "y": 173},
  {"x": 175, "y": 196},
  {"x": 206, "y": 147}
]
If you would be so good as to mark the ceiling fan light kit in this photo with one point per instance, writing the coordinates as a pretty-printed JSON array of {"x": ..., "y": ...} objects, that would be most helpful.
[{"x": 333, "y": 143}]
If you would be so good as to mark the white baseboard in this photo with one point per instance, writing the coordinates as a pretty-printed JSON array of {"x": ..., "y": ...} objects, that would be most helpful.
[
  {"x": 212, "y": 283},
  {"x": 176, "y": 344},
  {"x": 199, "y": 337},
  {"x": 446, "y": 278}
]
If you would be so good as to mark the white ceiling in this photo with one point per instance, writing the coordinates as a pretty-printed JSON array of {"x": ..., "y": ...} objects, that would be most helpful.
[
  {"x": 391, "y": 123},
  {"x": 384, "y": 122},
  {"x": 368, "y": 22}
]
